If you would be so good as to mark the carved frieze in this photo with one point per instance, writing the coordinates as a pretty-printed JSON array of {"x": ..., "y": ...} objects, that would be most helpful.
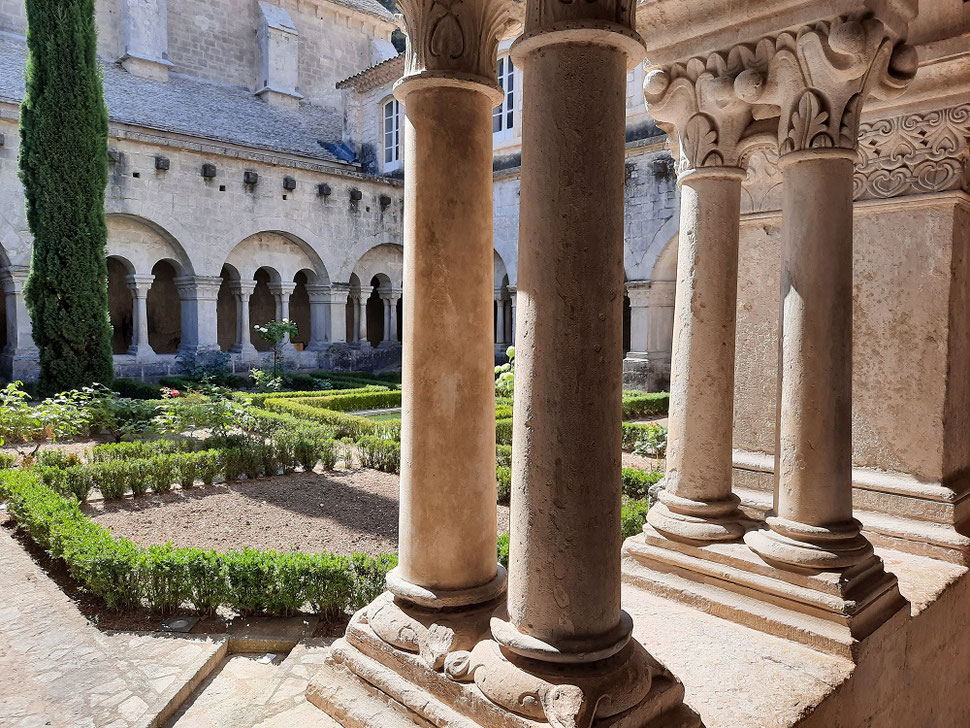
[
  {"x": 457, "y": 38},
  {"x": 914, "y": 154}
]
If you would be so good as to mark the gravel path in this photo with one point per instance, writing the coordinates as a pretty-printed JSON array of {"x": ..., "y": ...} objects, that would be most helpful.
[{"x": 342, "y": 512}]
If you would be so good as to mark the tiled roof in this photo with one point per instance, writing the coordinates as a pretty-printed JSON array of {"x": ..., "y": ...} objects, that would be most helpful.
[
  {"x": 371, "y": 7},
  {"x": 376, "y": 75},
  {"x": 189, "y": 106}
]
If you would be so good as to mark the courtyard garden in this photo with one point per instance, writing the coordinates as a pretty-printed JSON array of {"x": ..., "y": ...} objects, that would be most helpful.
[{"x": 195, "y": 496}]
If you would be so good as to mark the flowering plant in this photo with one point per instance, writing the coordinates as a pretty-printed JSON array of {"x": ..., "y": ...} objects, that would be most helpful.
[{"x": 275, "y": 332}]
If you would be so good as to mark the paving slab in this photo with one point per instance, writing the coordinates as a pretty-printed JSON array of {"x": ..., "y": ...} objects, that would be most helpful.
[{"x": 60, "y": 670}]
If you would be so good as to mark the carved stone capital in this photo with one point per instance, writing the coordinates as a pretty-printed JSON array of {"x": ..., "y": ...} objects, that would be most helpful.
[
  {"x": 454, "y": 42},
  {"x": 696, "y": 104},
  {"x": 816, "y": 79}
]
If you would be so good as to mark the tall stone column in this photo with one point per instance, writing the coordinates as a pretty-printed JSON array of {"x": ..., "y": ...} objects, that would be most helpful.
[
  {"x": 243, "y": 291},
  {"x": 707, "y": 119},
  {"x": 393, "y": 299},
  {"x": 566, "y": 639},
  {"x": 318, "y": 336},
  {"x": 199, "y": 296},
  {"x": 139, "y": 285},
  {"x": 499, "y": 319},
  {"x": 512, "y": 291},
  {"x": 337, "y": 305},
  {"x": 660, "y": 322},
  {"x": 20, "y": 357},
  {"x": 282, "y": 292},
  {"x": 638, "y": 293},
  {"x": 386, "y": 301},
  {"x": 361, "y": 329},
  {"x": 821, "y": 98}
]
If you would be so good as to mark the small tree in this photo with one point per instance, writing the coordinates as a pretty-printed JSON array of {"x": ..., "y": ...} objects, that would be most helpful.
[
  {"x": 275, "y": 332},
  {"x": 64, "y": 168}
]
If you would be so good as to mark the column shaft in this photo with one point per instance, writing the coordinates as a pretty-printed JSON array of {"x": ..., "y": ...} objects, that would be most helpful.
[
  {"x": 564, "y": 583},
  {"x": 387, "y": 319},
  {"x": 448, "y": 510},
  {"x": 392, "y": 335},
  {"x": 361, "y": 318},
  {"x": 697, "y": 503},
  {"x": 499, "y": 320},
  {"x": 813, "y": 525}
]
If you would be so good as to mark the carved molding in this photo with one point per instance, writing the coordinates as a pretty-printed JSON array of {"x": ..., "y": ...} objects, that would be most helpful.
[
  {"x": 911, "y": 154},
  {"x": 914, "y": 154},
  {"x": 454, "y": 38}
]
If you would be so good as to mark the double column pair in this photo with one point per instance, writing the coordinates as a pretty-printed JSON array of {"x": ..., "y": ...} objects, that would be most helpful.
[
  {"x": 550, "y": 643},
  {"x": 811, "y": 528}
]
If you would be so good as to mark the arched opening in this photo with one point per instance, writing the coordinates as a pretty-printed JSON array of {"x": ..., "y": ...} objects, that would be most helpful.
[
  {"x": 375, "y": 314},
  {"x": 227, "y": 314},
  {"x": 262, "y": 307},
  {"x": 300, "y": 310},
  {"x": 120, "y": 306},
  {"x": 164, "y": 310}
]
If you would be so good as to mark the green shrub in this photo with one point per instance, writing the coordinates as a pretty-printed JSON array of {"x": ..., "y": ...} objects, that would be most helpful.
[
  {"x": 328, "y": 454},
  {"x": 258, "y": 399},
  {"x": 57, "y": 459},
  {"x": 164, "y": 576},
  {"x": 208, "y": 465},
  {"x": 370, "y": 576},
  {"x": 232, "y": 463},
  {"x": 379, "y": 453},
  {"x": 350, "y": 402},
  {"x": 207, "y": 579},
  {"x": 637, "y": 482},
  {"x": 652, "y": 442},
  {"x": 632, "y": 517},
  {"x": 111, "y": 478},
  {"x": 503, "y": 476},
  {"x": 186, "y": 468},
  {"x": 137, "y": 476},
  {"x": 503, "y": 455},
  {"x": 503, "y": 432},
  {"x": 247, "y": 573},
  {"x": 329, "y": 584},
  {"x": 253, "y": 464},
  {"x": 136, "y": 389},
  {"x": 503, "y": 550},
  {"x": 161, "y": 472}
]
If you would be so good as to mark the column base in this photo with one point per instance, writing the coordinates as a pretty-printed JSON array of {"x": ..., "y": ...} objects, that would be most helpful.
[
  {"x": 788, "y": 544},
  {"x": 697, "y": 522},
  {"x": 831, "y": 611},
  {"x": 643, "y": 371},
  {"x": 247, "y": 351},
  {"x": 141, "y": 351},
  {"x": 366, "y": 682}
]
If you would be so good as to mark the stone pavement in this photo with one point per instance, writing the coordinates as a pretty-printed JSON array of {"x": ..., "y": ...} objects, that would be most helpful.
[{"x": 59, "y": 670}]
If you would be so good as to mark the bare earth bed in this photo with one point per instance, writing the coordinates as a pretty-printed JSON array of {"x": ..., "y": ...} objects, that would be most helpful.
[{"x": 343, "y": 512}]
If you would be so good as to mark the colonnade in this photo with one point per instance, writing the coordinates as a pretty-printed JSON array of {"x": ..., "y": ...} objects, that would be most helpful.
[
  {"x": 819, "y": 82},
  {"x": 554, "y": 646}
]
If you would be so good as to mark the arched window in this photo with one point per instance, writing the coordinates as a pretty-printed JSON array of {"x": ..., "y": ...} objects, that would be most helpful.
[
  {"x": 391, "y": 126},
  {"x": 503, "y": 116}
]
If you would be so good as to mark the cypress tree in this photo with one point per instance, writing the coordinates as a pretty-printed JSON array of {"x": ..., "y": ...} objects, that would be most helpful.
[{"x": 64, "y": 169}]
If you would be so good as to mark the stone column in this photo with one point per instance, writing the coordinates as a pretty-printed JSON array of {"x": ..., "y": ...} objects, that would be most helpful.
[
  {"x": 566, "y": 639},
  {"x": 660, "y": 322},
  {"x": 512, "y": 291},
  {"x": 243, "y": 290},
  {"x": 362, "y": 319},
  {"x": 696, "y": 503},
  {"x": 812, "y": 526},
  {"x": 139, "y": 285},
  {"x": 199, "y": 297},
  {"x": 386, "y": 301},
  {"x": 337, "y": 305},
  {"x": 499, "y": 319},
  {"x": 20, "y": 347},
  {"x": 448, "y": 510},
  {"x": 638, "y": 293},
  {"x": 393, "y": 299},
  {"x": 318, "y": 335},
  {"x": 282, "y": 292}
]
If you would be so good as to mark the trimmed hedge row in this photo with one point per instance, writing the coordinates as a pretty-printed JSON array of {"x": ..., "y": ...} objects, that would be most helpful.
[
  {"x": 635, "y": 431},
  {"x": 636, "y": 482},
  {"x": 259, "y": 398},
  {"x": 357, "y": 401},
  {"x": 645, "y": 404},
  {"x": 127, "y": 576},
  {"x": 343, "y": 424}
]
